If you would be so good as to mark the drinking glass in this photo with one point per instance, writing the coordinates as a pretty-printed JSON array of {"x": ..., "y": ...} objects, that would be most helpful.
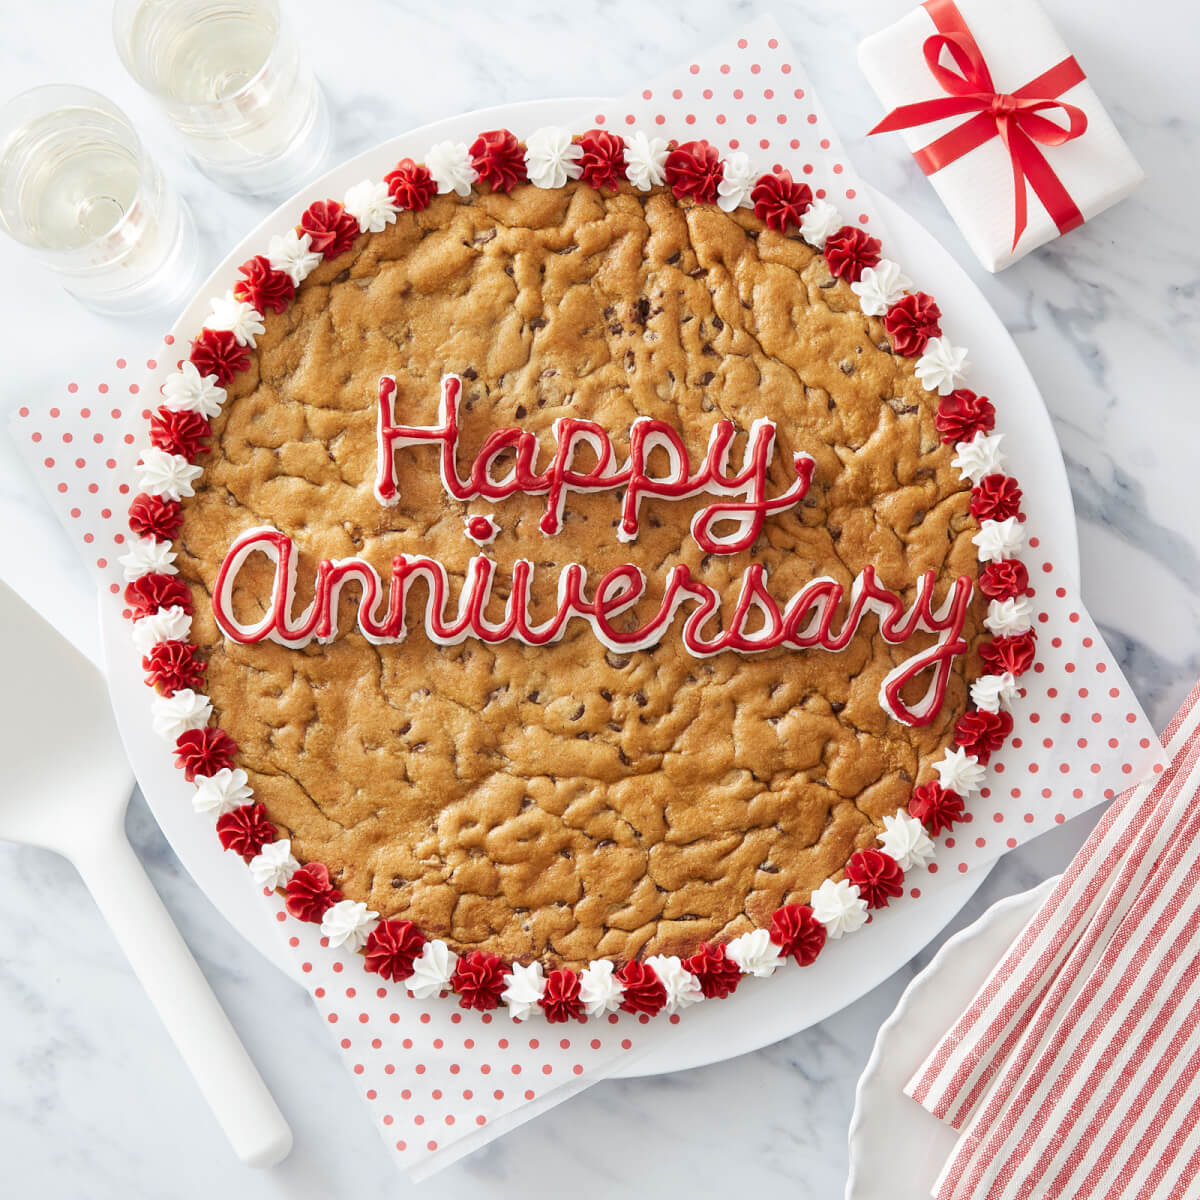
[
  {"x": 78, "y": 189},
  {"x": 229, "y": 76}
]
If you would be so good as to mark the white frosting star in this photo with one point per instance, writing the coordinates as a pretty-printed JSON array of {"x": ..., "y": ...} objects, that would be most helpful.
[
  {"x": 169, "y": 475},
  {"x": 348, "y": 923},
  {"x": 432, "y": 970},
  {"x": 880, "y": 287},
  {"x": 243, "y": 320},
  {"x": 599, "y": 989},
  {"x": 221, "y": 793},
  {"x": 274, "y": 865},
  {"x": 999, "y": 539},
  {"x": 186, "y": 390},
  {"x": 523, "y": 988},
  {"x": 737, "y": 182},
  {"x": 839, "y": 907},
  {"x": 755, "y": 953},
  {"x": 682, "y": 987},
  {"x": 960, "y": 772},
  {"x": 905, "y": 839},
  {"x": 450, "y": 165},
  {"x": 292, "y": 253},
  {"x": 167, "y": 625},
  {"x": 148, "y": 557},
  {"x": 980, "y": 457},
  {"x": 645, "y": 161},
  {"x": 370, "y": 204},
  {"x": 551, "y": 158},
  {"x": 942, "y": 367},
  {"x": 173, "y": 715},
  {"x": 991, "y": 693},
  {"x": 1007, "y": 617},
  {"x": 820, "y": 220}
]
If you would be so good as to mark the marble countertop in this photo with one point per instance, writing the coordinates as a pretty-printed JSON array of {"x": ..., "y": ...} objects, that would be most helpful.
[{"x": 93, "y": 1100}]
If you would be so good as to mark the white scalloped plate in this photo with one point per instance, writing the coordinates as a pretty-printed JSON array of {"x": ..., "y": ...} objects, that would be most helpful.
[
  {"x": 761, "y": 1012},
  {"x": 896, "y": 1147}
]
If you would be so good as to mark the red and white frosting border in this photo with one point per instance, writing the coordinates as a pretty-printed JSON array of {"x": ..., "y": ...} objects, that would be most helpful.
[{"x": 161, "y": 604}]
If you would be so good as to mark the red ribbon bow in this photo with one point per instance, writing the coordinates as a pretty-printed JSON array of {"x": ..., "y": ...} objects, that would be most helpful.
[{"x": 1014, "y": 117}]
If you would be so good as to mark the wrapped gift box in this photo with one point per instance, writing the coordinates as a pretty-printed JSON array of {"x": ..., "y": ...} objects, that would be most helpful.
[{"x": 999, "y": 64}]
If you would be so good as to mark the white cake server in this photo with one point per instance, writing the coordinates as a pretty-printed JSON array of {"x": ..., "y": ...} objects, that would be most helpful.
[{"x": 64, "y": 785}]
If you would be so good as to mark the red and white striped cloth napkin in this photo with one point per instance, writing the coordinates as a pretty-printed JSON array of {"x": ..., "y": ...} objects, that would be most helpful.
[{"x": 1075, "y": 1071}]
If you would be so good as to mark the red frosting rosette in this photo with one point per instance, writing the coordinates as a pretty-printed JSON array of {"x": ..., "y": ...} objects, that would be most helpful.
[
  {"x": 779, "y": 201},
  {"x": 798, "y": 933},
  {"x": 410, "y": 185},
  {"x": 877, "y": 876},
  {"x": 716, "y": 972},
  {"x": 936, "y": 807},
  {"x": 155, "y": 517},
  {"x": 850, "y": 251},
  {"x": 1014, "y": 654},
  {"x": 911, "y": 322},
  {"x": 392, "y": 948},
  {"x": 172, "y": 666},
  {"x": 262, "y": 287},
  {"x": 498, "y": 159},
  {"x": 479, "y": 979},
  {"x": 644, "y": 992},
  {"x": 331, "y": 229},
  {"x": 602, "y": 160},
  {"x": 245, "y": 830},
  {"x": 995, "y": 498},
  {"x": 310, "y": 892},
  {"x": 694, "y": 170},
  {"x": 180, "y": 431},
  {"x": 204, "y": 752},
  {"x": 217, "y": 352},
  {"x": 963, "y": 414},
  {"x": 982, "y": 733},
  {"x": 1004, "y": 579},
  {"x": 560, "y": 1001},
  {"x": 148, "y": 593}
]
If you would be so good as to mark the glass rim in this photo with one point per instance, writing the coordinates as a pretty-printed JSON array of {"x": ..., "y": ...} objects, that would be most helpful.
[
  {"x": 80, "y": 95},
  {"x": 124, "y": 10}
]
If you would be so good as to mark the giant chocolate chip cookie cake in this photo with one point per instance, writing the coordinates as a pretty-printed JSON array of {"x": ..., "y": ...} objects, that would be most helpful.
[{"x": 575, "y": 574}]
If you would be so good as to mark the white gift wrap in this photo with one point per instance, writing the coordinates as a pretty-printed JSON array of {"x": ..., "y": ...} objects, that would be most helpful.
[{"x": 1018, "y": 43}]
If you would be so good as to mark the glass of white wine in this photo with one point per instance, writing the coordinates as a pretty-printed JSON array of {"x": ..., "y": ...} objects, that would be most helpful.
[
  {"x": 78, "y": 189},
  {"x": 230, "y": 78}
]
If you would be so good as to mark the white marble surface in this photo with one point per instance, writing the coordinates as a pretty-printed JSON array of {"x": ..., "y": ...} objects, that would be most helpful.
[{"x": 93, "y": 1101}]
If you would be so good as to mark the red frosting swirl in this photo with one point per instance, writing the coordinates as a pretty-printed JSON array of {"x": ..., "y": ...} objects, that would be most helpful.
[
  {"x": 644, "y": 992},
  {"x": 330, "y": 228},
  {"x": 560, "y": 1001},
  {"x": 780, "y": 201},
  {"x": 911, "y": 322},
  {"x": 936, "y": 807},
  {"x": 850, "y": 251},
  {"x": 184, "y": 432},
  {"x": 262, "y": 287},
  {"x": 498, "y": 159},
  {"x": 995, "y": 498},
  {"x": 155, "y": 517},
  {"x": 149, "y": 593},
  {"x": 694, "y": 169},
  {"x": 1004, "y": 580},
  {"x": 963, "y": 414},
  {"x": 410, "y": 185},
  {"x": 310, "y": 892},
  {"x": 797, "y": 932},
  {"x": 171, "y": 666},
  {"x": 718, "y": 974},
  {"x": 204, "y": 751},
  {"x": 392, "y": 949},
  {"x": 602, "y": 162},
  {"x": 216, "y": 352},
  {"x": 877, "y": 876},
  {"x": 1014, "y": 654},
  {"x": 245, "y": 830},
  {"x": 478, "y": 979},
  {"x": 982, "y": 733}
]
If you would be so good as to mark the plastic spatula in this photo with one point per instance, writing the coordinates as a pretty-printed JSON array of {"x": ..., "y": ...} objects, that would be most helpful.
[{"x": 64, "y": 785}]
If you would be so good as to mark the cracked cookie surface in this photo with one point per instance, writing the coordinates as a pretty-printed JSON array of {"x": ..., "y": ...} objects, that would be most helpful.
[{"x": 570, "y": 802}]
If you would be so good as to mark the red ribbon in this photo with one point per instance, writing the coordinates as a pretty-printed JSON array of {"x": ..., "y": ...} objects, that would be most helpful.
[{"x": 1013, "y": 117}]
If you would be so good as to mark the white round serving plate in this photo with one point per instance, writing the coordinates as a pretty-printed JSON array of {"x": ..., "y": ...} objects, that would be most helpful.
[
  {"x": 896, "y": 1148},
  {"x": 762, "y": 1011}
]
